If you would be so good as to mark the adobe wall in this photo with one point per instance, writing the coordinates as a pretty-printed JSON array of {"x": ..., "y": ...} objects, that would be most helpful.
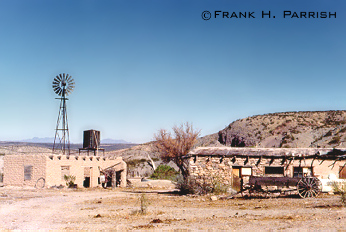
[
  {"x": 49, "y": 167},
  {"x": 77, "y": 166},
  {"x": 14, "y": 169},
  {"x": 207, "y": 167}
]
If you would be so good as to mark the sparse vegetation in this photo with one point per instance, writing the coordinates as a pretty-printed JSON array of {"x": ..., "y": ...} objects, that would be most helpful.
[
  {"x": 341, "y": 190},
  {"x": 165, "y": 172},
  {"x": 173, "y": 147},
  {"x": 316, "y": 128},
  {"x": 202, "y": 186},
  {"x": 70, "y": 180},
  {"x": 144, "y": 203}
]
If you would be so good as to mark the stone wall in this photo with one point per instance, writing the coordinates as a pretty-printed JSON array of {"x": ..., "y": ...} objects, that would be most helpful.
[{"x": 211, "y": 167}]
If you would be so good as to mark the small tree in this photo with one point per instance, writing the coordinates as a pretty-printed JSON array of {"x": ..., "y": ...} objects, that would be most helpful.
[{"x": 175, "y": 147}]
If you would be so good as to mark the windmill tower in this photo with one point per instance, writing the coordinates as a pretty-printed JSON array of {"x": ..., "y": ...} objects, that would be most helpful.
[{"x": 63, "y": 85}]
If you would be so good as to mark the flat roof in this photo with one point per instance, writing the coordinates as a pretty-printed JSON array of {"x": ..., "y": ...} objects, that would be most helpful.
[{"x": 293, "y": 153}]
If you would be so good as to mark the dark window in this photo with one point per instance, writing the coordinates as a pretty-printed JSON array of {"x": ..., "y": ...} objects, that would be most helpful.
[
  {"x": 302, "y": 171},
  {"x": 274, "y": 170},
  {"x": 27, "y": 172}
]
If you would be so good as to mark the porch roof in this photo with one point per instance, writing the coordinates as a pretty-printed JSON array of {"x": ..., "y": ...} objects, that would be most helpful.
[{"x": 279, "y": 153}]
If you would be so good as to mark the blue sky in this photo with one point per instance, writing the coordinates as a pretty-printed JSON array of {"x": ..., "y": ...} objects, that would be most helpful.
[{"x": 144, "y": 65}]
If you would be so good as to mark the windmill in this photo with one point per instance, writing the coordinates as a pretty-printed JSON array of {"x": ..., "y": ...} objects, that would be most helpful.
[{"x": 63, "y": 85}]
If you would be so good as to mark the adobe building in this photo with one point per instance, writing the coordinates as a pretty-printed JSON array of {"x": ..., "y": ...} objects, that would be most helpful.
[
  {"x": 42, "y": 170},
  {"x": 234, "y": 165}
]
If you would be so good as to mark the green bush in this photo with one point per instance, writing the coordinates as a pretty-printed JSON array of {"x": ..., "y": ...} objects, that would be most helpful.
[
  {"x": 165, "y": 172},
  {"x": 70, "y": 180}
]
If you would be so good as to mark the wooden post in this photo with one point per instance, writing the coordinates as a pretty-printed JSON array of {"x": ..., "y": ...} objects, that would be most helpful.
[{"x": 114, "y": 179}]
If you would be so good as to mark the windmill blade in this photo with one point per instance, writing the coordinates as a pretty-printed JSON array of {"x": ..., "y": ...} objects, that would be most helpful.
[
  {"x": 56, "y": 88},
  {"x": 57, "y": 91},
  {"x": 69, "y": 90},
  {"x": 56, "y": 79},
  {"x": 63, "y": 84},
  {"x": 70, "y": 80}
]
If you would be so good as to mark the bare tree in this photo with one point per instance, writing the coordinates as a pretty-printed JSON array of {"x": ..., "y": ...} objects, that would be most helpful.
[{"x": 173, "y": 147}]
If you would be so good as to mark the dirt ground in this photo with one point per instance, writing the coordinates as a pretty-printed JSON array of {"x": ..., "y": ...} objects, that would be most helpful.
[{"x": 119, "y": 210}]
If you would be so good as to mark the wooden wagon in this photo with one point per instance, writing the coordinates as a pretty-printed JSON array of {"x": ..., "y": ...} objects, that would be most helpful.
[{"x": 263, "y": 186}]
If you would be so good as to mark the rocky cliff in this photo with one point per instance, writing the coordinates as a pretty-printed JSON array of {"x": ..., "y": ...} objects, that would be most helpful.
[{"x": 289, "y": 129}]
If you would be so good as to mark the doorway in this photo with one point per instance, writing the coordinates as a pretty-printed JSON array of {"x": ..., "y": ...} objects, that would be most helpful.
[{"x": 87, "y": 177}]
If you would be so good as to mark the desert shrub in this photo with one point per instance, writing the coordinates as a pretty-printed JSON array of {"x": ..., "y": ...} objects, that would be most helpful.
[
  {"x": 165, "y": 172},
  {"x": 1, "y": 177},
  {"x": 144, "y": 203},
  {"x": 341, "y": 190},
  {"x": 187, "y": 185},
  {"x": 218, "y": 187},
  {"x": 202, "y": 185},
  {"x": 70, "y": 180}
]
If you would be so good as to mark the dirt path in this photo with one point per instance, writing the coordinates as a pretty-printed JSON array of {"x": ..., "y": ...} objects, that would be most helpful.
[
  {"x": 29, "y": 209},
  {"x": 39, "y": 209}
]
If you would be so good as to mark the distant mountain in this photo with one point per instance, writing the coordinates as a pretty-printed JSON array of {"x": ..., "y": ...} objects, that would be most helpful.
[
  {"x": 113, "y": 141},
  {"x": 38, "y": 140}
]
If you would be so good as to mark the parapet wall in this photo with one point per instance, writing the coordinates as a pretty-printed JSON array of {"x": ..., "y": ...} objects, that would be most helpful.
[{"x": 26, "y": 170}]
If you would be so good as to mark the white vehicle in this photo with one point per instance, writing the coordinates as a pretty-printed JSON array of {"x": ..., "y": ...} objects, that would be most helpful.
[{"x": 328, "y": 185}]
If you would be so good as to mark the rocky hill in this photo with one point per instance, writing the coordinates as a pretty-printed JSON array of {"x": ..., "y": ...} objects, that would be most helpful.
[{"x": 290, "y": 129}]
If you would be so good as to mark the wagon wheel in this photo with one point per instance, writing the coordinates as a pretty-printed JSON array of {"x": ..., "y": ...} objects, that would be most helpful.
[
  {"x": 40, "y": 183},
  {"x": 245, "y": 193},
  {"x": 309, "y": 187},
  {"x": 265, "y": 192}
]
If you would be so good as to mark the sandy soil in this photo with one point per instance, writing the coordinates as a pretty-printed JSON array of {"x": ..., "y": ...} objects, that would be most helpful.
[{"x": 103, "y": 209}]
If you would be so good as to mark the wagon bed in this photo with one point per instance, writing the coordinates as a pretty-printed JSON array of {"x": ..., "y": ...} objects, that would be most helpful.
[{"x": 263, "y": 186}]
